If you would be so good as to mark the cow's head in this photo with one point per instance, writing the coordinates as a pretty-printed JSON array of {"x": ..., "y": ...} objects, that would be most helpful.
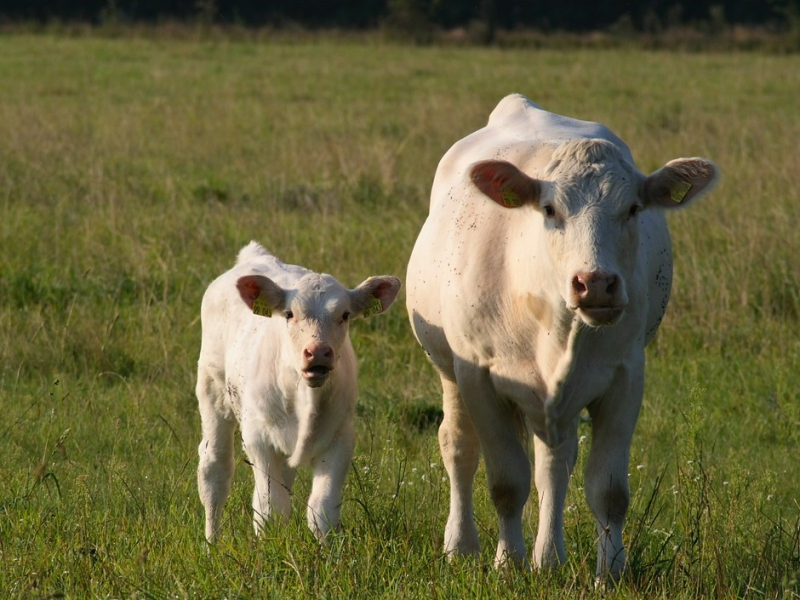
[
  {"x": 317, "y": 312},
  {"x": 589, "y": 200}
]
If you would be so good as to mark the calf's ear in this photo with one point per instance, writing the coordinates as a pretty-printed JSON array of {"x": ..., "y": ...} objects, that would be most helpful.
[
  {"x": 262, "y": 295},
  {"x": 680, "y": 182},
  {"x": 375, "y": 295},
  {"x": 505, "y": 184}
]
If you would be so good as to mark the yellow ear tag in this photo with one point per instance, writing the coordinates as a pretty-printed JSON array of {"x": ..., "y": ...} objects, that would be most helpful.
[
  {"x": 679, "y": 191},
  {"x": 261, "y": 308},
  {"x": 374, "y": 308},
  {"x": 510, "y": 198}
]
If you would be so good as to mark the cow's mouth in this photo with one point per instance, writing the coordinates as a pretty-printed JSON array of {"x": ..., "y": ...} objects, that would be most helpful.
[
  {"x": 600, "y": 315},
  {"x": 316, "y": 375}
]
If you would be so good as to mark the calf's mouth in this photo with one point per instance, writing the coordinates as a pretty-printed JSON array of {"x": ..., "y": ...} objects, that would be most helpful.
[{"x": 316, "y": 375}]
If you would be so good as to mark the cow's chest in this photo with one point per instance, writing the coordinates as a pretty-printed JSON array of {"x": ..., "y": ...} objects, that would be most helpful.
[{"x": 555, "y": 387}]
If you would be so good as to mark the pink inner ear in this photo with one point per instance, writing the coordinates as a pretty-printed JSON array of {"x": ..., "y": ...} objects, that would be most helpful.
[
  {"x": 249, "y": 289},
  {"x": 504, "y": 183},
  {"x": 489, "y": 178}
]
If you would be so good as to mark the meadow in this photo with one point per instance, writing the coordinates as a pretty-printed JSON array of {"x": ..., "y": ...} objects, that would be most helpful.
[{"x": 132, "y": 171}]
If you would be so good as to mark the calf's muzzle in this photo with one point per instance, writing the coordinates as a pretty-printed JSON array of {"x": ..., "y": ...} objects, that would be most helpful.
[{"x": 318, "y": 361}]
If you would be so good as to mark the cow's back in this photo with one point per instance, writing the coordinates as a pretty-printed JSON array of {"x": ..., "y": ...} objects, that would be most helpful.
[{"x": 520, "y": 132}]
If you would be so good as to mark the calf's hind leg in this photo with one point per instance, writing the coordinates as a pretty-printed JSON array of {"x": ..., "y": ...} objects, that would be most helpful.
[{"x": 215, "y": 471}]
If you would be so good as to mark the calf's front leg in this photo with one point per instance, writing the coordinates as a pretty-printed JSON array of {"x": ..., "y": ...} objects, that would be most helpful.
[
  {"x": 330, "y": 471},
  {"x": 272, "y": 480}
]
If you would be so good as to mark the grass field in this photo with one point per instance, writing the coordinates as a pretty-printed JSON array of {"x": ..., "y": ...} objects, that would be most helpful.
[{"x": 132, "y": 171}]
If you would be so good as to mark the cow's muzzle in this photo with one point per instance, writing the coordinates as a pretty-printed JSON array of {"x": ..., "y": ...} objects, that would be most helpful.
[{"x": 599, "y": 298}]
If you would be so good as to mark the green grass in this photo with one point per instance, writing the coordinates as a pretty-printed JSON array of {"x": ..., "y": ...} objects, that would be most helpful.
[{"x": 132, "y": 171}]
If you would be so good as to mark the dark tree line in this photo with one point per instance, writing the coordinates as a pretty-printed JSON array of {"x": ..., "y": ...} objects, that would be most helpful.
[{"x": 566, "y": 15}]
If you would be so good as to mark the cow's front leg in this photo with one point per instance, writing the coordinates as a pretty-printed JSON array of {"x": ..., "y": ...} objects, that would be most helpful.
[
  {"x": 272, "y": 478},
  {"x": 330, "y": 471},
  {"x": 501, "y": 427},
  {"x": 606, "y": 475},
  {"x": 460, "y": 448},
  {"x": 553, "y": 467}
]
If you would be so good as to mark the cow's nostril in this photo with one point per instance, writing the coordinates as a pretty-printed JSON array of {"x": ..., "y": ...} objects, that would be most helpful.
[
  {"x": 613, "y": 284},
  {"x": 579, "y": 287}
]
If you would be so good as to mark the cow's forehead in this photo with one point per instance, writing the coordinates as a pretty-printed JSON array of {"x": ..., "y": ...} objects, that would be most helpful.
[
  {"x": 591, "y": 172},
  {"x": 319, "y": 294}
]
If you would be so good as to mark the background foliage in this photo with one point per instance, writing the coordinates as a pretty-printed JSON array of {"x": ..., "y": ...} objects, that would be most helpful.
[
  {"x": 131, "y": 172},
  {"x": 571, "y": 15}
]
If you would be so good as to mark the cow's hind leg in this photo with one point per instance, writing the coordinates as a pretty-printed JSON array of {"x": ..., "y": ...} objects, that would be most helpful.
[
  {"x": 501, "y": 427},
  {"x": 215, "y": 471},
  {"x": 460, "y": 448},
  {"x": 553, "y": 467}
]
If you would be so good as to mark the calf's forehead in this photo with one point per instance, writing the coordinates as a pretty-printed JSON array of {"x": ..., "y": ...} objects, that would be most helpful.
[{"x": 318, "y": 295}]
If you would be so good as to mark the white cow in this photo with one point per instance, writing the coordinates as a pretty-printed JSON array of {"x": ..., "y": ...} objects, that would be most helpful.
[
  {"x": 542, "y": 271},
  {"x": 276, "y": 359}
]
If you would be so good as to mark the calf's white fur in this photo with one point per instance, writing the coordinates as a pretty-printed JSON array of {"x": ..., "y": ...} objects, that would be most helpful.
[{"x": 276, "y": 361}]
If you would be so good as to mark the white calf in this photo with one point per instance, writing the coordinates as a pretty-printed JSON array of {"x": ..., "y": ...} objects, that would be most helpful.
[{"x": 276, "y": 359}]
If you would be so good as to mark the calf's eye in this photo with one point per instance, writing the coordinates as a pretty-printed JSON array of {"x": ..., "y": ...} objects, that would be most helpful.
[
  {"x": 549, "y": 210},
  {"x": 345, "y": 316},
  {"x": 289, "y": 315},
  {"x": 634, "y": 210}
]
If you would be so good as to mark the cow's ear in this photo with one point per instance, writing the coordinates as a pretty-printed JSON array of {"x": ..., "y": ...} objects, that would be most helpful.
[
  {"x": 505, "y": 184},
  {"x": 375, "y": 295},
  {"x": 680, "y": 182},
  {"x": 262, "y": 295}
]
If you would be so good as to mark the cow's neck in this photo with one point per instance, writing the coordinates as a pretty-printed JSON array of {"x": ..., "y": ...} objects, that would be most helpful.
[{"x": 557, "y": 381}]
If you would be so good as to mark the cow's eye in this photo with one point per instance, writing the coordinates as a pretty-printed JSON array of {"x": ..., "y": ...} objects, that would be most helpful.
[
  {"x": 345, "y": 316},
  {"x": 289, "y": 315},
  {"x": 634, "y": 210},
  {"x": 549, "y": 210}
]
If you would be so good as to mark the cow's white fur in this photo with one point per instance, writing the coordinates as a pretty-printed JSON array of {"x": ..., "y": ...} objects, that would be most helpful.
[
  {"x": 496, "y": 296},
  {"x": 270, "y": 375}
]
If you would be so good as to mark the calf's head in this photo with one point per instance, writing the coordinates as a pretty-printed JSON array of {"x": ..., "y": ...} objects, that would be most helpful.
[
  {"x": 589, "y": 203},
  {"x": 317, "y": 311}
]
